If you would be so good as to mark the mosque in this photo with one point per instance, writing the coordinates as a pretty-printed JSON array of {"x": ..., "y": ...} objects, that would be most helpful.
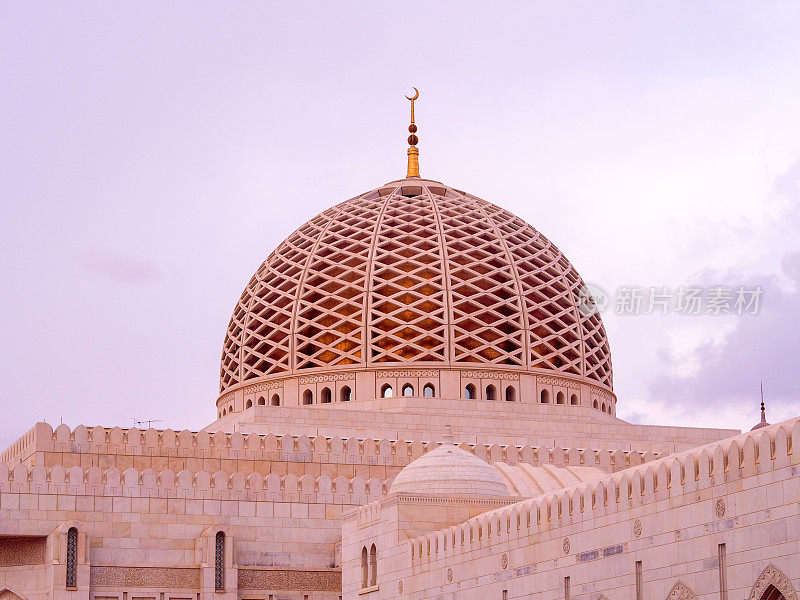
[{"x": 414, "y": 403}]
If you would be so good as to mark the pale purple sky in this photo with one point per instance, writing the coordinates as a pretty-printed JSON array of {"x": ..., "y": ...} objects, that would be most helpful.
[{"x": 153, "y": 154}]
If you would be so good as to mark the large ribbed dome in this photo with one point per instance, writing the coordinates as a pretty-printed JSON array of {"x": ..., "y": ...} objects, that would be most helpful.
[{"x": 414, "y": 272}]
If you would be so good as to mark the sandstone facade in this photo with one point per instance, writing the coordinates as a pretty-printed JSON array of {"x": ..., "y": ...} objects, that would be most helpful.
[{"x": 421, "y": 335}]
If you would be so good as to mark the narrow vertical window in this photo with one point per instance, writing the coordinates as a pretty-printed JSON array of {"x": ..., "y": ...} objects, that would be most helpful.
[
  {"x": 566, "y": 588},
  {"x": 72, "y": 558},
  {"x": 219, "y": 561},
  {"x": 364, "y": 568},
  {"x": 638, "y": 580},
  {"x": 723, "y": 578},
  {"x": 373, "y": 566},
  {"x": 505, "y": 594}
]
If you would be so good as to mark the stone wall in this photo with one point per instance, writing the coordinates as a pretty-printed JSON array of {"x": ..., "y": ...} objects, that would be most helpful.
[
  {"x": 144, "y": 535},
  {"x": 670, "y": 515},
  {"x": 472, "y": 421},
  {"x": 271, "y": 454}
]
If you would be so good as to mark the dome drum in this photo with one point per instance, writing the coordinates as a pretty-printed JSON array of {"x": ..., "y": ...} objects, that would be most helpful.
[{"x": 397, "y": 387}]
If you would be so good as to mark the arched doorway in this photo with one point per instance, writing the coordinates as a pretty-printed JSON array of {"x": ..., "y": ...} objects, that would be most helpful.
[
  {"x": 772, "y": 593},
  {"x": 7, "y": 594},
  {"x": 681, "y": 591},
  {"x": 773, "y": 584}
]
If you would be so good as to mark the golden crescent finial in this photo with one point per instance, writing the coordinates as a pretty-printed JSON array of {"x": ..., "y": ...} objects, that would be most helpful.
[{"x": 413, "y": 151}]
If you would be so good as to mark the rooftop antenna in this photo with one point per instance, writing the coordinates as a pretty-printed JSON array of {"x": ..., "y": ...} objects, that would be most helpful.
[{"x": 147, "y": 422}]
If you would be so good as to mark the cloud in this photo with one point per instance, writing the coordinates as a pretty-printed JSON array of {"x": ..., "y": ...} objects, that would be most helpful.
[
  {"x": 760, "y": 347},
  {"x": 726, "y": 370},
  {"x": 118, "y": 268},
  {"x": 788, "y": 184}
]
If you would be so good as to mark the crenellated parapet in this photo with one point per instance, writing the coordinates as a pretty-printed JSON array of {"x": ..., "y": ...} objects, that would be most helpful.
[
  {"x": 703, "y": 471},
  {"x": 293, "y": 448},
  {"x": 202, "y": 485}
]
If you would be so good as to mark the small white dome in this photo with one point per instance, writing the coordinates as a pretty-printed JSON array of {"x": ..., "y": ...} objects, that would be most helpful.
[{"x": 452, "y": 472}]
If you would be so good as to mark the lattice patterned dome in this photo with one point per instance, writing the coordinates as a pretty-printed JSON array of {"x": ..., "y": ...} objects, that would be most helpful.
[{"x": 414, "y": 272}]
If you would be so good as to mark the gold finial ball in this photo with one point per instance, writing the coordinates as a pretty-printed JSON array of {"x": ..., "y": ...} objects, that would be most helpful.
[
  {"x": 412, "y": 140},
  {"x": 412, "y": 128}
]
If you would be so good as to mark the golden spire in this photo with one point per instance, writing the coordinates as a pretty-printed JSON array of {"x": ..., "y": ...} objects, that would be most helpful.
[{"x": 413, "y": 151}]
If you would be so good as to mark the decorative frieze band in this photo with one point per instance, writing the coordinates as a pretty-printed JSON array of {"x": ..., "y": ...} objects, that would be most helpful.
[
  {"x": 602, "y": 393},
  {"x": 490, "y": 375},
  {"x": 278, "y": 579},
  {"x": 328, "y": 377},
  {"x": 408, "y": 373},
  {"x": 568, "y": 383},
  {"x": 262, "y": 387},
  {"x": 145, "y": 577}
]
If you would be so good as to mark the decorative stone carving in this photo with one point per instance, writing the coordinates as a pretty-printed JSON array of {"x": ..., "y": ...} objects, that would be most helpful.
[
  {"x": 637, "y": 528},
  {"x": 407, "y": 374},
  {"x": 504, "y": 560},
  {"x": 450, "y": 573},
  {"x": 489, "y": 375},
  {"x": 262, "y": 387},
  {"x": 280, "y": 579},
  {"x": 568, "y": 383},
  {"x": 150, "y": 577},
  {"x": 719, "y": 508},
  {"x": 16, "y": 551},
  {"x": 772, "y": 575},
  {"x": 400, "y": 587},
  {"x": 565, "y": 545},
  {"x": 604, "y": 394},
  {"x": 328, "y": 377},
  {"x": 681, "y": 591}
]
